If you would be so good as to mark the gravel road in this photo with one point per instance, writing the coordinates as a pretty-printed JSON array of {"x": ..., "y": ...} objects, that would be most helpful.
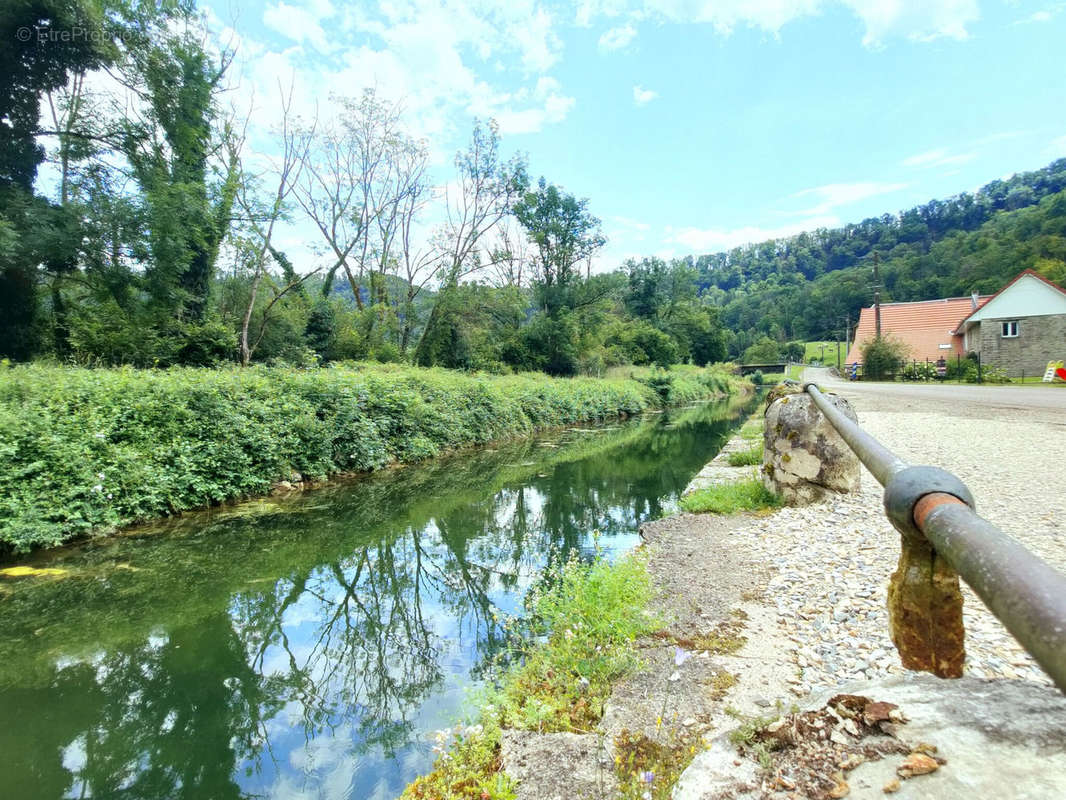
[
  {"x": 833, "y": 560},
  {"x": 1038, "y": 398}
]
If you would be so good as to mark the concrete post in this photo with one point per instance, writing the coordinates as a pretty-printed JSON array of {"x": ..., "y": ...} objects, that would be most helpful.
[{"x": 803, "y": 455}]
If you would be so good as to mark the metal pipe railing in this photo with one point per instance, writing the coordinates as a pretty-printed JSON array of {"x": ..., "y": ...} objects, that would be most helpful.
[{"x": 934, "y": 510}]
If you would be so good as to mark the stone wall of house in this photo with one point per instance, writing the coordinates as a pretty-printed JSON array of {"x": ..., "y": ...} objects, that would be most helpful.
[{"x": 1039, "y": 340}]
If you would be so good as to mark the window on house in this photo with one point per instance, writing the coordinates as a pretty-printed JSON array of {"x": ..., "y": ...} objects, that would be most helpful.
[{"x": 1010, "y": 329}]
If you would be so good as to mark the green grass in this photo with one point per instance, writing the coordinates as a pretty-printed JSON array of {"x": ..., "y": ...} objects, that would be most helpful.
[
  {"x": 813, "y": 352},
  {"x": 746, "y": 458},
  {"x": 752, "y": 430},
  {"x": 88, "y": 450},
  {"x": 772, "y": 378},
  {"x": 729, "y": 498},
  {"x": 795, "y": 371},
  {"x": 588, "y": 618}
]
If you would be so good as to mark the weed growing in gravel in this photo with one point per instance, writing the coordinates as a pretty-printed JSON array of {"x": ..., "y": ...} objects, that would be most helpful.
[
  {"x": 648, "y": 769},
  {"x": 746, "y": 458},
  {"x": 467, "y": 766},
  {"x": 729, "y": 498},
  {"x": 591, "y": 615},
  {"x": 723, "y": 640},
  {"x": 752, "y": 429},
  {"x": 746, "y": 737},
  {"x": 721, "y": 683}
]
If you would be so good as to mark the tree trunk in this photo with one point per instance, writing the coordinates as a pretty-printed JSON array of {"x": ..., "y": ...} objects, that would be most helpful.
[{"x": 246, "y": 350}]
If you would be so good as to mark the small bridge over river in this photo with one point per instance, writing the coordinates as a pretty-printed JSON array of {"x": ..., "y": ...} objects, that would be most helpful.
[{"x": 747, "y": 369}]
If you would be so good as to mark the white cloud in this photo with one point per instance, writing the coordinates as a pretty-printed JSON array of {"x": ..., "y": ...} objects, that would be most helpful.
[
  {"x": 914, "y": 19},
  {"x": 617, "y": 38},
  {"x": 630, "y": 224},
  {"x": 531, "y": 120},
  {"x": 711, "y": 240},
  {"x": 834, "y": 195},
  {"x": 725, "y": 15},
  {"x": 642, "y": 96},
  {"x": 937, "y": 158},
  {"x": 301, "y": 24},
  {"x": 1044, "y": 15},
  {"x": 917, "y": 20}
]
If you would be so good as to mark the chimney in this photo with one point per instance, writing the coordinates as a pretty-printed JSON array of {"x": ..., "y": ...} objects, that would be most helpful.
[{"x": 973, "y": 300}]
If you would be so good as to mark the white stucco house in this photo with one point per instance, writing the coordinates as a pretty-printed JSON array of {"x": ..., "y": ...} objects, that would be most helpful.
[{"x": 1020, "y": 328}]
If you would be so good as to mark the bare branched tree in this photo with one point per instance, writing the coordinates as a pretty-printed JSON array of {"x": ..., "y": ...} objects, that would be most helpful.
[
  {"x": 485, "y": 193},
  {"x": 350, "y": 181},
  {"x": 262, "y": 218}
]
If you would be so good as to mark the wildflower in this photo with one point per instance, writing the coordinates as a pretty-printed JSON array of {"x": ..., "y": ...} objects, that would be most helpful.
[
  {"x": 681, "y": 656},
  {"x": 98, "y": 488},
  {"x": 647, "y": 777},
  {"x": 99, "y": 435}
]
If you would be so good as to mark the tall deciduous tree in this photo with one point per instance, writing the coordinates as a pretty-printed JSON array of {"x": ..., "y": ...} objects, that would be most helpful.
[
  {"x": 485, "y": 192},
  {"x": 360, "y": 170},
  {"x": 170, "y": 146},
  {"x": 37, "y": 56},
  {"x": 564, "y": 235}
]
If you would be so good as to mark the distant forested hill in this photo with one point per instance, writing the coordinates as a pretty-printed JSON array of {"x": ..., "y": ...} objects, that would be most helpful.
[{"x": 804, "y": 286}]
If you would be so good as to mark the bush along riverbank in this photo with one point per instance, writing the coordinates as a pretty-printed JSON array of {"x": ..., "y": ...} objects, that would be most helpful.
[{"x": 85, "y": 451}]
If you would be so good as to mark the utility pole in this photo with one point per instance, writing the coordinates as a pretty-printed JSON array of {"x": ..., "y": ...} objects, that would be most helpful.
[
  {"x": 839, "y": 354},
  {"x": 877, "y": 294}
]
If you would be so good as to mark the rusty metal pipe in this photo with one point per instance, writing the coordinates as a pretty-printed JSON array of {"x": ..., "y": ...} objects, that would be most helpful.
[
  {"x": 1026, "y": 594},
  {"x": 881, "y": 461}
]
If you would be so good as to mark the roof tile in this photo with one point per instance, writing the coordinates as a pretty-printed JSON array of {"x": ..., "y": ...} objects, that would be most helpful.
[{"x": 923, "y": 327}]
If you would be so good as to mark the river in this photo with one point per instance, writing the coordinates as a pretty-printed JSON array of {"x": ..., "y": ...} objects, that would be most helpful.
[{"x": 308, "y": 646}]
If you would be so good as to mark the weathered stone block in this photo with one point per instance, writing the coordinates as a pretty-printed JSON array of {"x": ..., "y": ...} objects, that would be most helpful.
[{"x": 803, "y": 455}]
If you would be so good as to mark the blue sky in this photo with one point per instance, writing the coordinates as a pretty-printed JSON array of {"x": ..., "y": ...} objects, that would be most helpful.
[{"x": 693, "y": 126}]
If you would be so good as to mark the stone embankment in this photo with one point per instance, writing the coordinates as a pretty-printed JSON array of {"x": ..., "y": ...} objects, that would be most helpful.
[{"x": 805, "y": 588}]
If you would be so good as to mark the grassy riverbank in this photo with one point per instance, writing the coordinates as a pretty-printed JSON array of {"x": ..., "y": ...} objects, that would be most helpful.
[
  {"x": 587, "y": 618},
  {"x": 92, "y": 450}
]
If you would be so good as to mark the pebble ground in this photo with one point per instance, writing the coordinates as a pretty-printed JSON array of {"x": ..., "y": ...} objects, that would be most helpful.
[{"x": 832, "y": 561}]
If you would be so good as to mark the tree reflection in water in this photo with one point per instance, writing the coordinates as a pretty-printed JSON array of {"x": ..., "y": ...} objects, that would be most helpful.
[{"x": 306, "y": 651}]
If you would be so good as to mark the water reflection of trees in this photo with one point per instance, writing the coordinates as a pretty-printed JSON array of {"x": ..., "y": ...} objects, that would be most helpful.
[{"x": 350, "y": 644}]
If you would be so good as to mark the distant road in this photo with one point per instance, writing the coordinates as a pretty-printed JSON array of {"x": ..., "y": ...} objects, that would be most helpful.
[{"x": 1036, "y": 398}]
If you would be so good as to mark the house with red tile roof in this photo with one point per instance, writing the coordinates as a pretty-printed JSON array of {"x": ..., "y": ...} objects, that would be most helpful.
[
  {"x": 1018, "y": 329},
  {"x": 926, "y": 328}
]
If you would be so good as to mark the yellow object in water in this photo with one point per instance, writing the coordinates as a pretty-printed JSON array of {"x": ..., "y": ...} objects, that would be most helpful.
[{"x": 24, "y": 572}]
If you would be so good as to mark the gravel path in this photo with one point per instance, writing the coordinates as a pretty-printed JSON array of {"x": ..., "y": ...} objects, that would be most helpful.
[
  {"x": 833, "y": 561},
  {"x": 806, "y": 587}
]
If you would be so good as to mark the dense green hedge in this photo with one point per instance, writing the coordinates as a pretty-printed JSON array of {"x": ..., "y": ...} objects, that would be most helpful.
[{"x": 95, "y": 449}]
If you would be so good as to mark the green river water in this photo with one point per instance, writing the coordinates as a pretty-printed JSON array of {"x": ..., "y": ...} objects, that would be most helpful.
[{"x": 308, "y": 647}]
